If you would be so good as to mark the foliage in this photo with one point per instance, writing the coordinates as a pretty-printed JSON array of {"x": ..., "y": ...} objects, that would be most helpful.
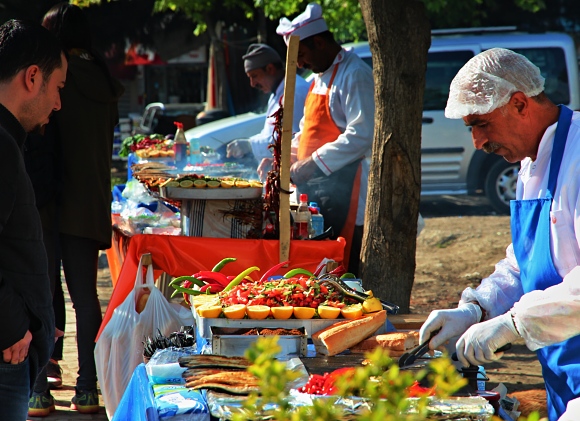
[{"x": 273, "y": 378}]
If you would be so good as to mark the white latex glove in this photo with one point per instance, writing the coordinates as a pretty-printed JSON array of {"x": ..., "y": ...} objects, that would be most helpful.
[
  {"x": 452, "y": 322},
  {"x": 478, "y": 345},
  {"x": 572, "y": 411},
  {"x": 238, "y": 148}
]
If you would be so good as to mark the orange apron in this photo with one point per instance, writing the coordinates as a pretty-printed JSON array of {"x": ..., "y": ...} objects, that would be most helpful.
[{"x": 337, "y": 194}]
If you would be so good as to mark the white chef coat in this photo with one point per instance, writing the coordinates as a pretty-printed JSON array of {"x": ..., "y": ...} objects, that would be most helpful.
[
  {"x": 502, "y": 289},
  {"x": 352, "y": 107},
  {"x": 260, "y": 141}
]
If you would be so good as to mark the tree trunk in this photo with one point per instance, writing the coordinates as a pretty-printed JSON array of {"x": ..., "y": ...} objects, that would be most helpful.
[
  {"x": 217, "y": 66},
  {"x": 399, "y": 38}
]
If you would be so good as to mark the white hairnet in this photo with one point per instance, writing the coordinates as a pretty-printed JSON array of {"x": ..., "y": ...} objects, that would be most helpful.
[{"x": 489, "y": 79}]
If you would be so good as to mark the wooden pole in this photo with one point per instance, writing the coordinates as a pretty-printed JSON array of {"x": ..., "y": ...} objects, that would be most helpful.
[{"x": 288, "y": 104}]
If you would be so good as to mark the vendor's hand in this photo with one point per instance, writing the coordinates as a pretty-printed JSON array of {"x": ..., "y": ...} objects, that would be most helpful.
[
  {"x": 478, "y": 345},
  {"x": 238, "y": 148},
  {"x": 572, "y": 411},
  {"x": 452, "y": 322},
  {"x": 17, "y": 353},
  {"x": 303, "y": 170},
  {"x": 264, "y": 167}
]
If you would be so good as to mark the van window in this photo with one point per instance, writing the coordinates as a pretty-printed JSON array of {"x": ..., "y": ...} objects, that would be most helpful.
[
  {"x": 552, "y": 64},
  {"x": 441, "y": 69}
]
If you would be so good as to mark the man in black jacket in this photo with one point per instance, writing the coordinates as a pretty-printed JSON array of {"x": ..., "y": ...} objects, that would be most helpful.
[{"x": 32, "y": 73}]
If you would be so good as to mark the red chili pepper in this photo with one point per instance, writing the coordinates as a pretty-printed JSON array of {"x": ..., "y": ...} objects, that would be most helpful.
[
  {"x": 339, "y": 271},
  {"x": 330, "y": 382},
  {"x": 273, "y": 270},
  {"x": 212, "y": 288},
  {"x": 210, "y": 277},
  {"x": 416, "y": 390},
  {"x": 186, "y": 284}
]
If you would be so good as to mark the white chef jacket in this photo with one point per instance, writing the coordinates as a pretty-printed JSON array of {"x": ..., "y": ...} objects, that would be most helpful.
[
  {"x": 260, "y": 141},
  {"x": 503, "y": 289},
  {"x": 352, "y": 107}
]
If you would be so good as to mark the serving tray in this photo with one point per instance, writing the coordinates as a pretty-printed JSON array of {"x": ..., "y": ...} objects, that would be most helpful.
[
  {"x": 310, "y": 325},
  {"x": 206, "y": 193}
]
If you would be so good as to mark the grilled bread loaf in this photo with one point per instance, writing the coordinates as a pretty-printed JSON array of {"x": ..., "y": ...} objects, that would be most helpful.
[
  {"x": 396, "y": 342},
  {"x": 342, "y": 335}
]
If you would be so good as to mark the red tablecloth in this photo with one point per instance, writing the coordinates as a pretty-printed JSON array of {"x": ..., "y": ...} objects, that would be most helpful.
[{"x": 179, "y": 255}]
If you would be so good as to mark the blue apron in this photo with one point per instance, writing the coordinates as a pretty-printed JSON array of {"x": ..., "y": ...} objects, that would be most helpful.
[{"x": 530, "y": 225}]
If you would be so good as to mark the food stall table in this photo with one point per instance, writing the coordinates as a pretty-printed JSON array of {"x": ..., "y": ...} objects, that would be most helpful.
[{"x": 181, "y": 255}]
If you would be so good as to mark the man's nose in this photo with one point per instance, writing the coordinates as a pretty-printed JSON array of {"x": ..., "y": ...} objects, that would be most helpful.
[
  {"x": 478, "y": 140},
  {"x": 300, "y": 63},
  {"x": 57, "y": 104}
]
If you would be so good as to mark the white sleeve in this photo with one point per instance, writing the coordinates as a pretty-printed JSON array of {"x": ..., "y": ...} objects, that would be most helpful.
[
  {"x": 498, "y": 292},
  {"x": 550, "y": 316},
  {"x": 358, "y": 103}
]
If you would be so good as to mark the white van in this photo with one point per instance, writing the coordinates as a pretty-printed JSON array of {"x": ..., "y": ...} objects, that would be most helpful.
[{"x": 450, "y": 165}]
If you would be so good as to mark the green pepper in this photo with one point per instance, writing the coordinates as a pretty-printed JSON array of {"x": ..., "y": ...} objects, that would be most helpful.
[
  {"x": 191, "y": 279},
  {"x": 240, "y": 277},
  {"x": 298, "y": 271},
  {"x": 222, "y": 263},
  {"x": 186, "y": 291}
]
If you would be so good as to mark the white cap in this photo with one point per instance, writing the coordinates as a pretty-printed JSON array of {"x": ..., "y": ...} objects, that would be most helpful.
[
  {"x": 488, "y": 81},
  {"x": 309, "y": 23}
]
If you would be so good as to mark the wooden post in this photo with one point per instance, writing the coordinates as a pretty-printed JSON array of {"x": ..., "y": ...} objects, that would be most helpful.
[{"x": 288, "y": 104}]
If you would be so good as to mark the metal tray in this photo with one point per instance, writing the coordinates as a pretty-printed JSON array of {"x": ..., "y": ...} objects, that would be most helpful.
[
  {"x": 310, "y": 325},
  {"x": 232, "y": 341},
  {"x": 206, "y": 193}
]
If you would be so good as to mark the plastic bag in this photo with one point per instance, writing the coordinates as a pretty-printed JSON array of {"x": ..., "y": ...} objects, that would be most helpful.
[{"x": 119, "y": 348}]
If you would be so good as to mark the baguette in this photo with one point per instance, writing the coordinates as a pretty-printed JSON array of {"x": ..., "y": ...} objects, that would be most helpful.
[
  {"x": 396, "y": 342},
  {"x": 342, "y": 335}
]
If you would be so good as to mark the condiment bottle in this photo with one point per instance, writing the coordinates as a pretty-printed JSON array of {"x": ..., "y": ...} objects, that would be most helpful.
[
  {"x": 303, "y": 219},
  {"x": 180, "y": 145}
]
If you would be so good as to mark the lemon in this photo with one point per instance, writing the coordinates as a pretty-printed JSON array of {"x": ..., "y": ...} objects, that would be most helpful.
[
  {"x": 200, "y": 183},
  {"x": 209, "y": 311},
  {"x": 236, "y": 311},
  {"x": 226, "y": 184},
  {"x": 282, "y": 313},
  {"x": 304, "y": 312},
  {"x": 372, "y": 304},
  {"x": 258, "y": 312},
  {"x": 170, "y": 183},
  {"x": 242, "y": 184},
  {"x": 328, "y": 312},
  {"x": 204, "y": 299},
  {"x": 352, "y": 311},
  {"x": 212, "y": 184},
  {"x": 255, "y": 184},
  {"x": 186, "y": 184}
]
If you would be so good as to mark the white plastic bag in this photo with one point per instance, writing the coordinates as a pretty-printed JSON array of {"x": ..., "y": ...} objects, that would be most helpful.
[{"x": 119, "y": 349}]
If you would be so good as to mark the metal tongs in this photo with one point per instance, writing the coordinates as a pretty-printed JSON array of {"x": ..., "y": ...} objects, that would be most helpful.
[
  {"x": 409, "y": 358},
  {"x": 338, "y": 284}
]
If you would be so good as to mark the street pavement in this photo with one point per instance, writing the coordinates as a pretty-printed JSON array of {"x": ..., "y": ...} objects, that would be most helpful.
[{"x": 69, "y": 364}]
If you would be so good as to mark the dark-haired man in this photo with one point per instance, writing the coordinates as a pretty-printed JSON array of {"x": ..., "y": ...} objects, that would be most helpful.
[
  {"x": 336, "y": 133},
  {"x": 32, "y": 73}
]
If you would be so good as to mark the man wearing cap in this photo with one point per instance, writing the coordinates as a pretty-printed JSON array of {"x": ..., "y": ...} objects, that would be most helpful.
[
  {"x": 336, "y": 133},
  {"x": 265, "y": 70},
  {"x": 534, "y": 292}
]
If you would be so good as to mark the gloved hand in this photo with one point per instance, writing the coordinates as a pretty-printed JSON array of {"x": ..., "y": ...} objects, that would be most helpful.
[
  {"x": 238, "y": 148},
  {"x": 478, "y": 345},
  {"x": 452, "y": 322},
  {"x": 572, "y": 411}
]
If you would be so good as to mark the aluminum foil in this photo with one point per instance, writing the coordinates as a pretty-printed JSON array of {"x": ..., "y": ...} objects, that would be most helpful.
[{"x": 458, "y": 409}]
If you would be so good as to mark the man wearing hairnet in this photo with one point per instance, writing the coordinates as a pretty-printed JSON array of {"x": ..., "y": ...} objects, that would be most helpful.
[
  {"x": 265, "y": 70},
  {"x": 534, "y": 293}
]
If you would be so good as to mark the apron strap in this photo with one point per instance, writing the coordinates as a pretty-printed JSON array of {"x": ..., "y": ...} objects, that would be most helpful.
[{"x": 558, "y": 146}]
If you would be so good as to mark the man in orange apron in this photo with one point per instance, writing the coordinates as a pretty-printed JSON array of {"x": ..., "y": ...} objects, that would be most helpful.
[{"x": 336, "y": 133}]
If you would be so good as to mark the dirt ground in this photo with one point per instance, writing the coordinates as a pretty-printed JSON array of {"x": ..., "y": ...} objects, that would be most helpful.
[{"x": 462, "y": 241}]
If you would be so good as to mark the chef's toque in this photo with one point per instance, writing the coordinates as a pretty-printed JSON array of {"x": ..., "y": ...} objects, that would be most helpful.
[{"x": 309, "y": 23}]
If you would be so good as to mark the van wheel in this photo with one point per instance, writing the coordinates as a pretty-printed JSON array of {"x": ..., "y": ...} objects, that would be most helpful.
[{"x": 500, "y": 185}]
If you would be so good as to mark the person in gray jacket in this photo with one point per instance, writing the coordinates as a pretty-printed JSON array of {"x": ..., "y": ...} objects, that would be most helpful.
[{"x": 32, "y": 74}]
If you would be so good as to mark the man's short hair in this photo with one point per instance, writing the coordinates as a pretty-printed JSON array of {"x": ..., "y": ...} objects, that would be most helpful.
[{"x": 23, "y": 44}]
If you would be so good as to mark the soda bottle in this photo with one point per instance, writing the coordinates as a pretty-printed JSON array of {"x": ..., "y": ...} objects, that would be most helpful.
[{"x": 317, "y": 219}]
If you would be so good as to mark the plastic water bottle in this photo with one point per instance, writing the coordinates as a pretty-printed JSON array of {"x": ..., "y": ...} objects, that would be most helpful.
[
  {"x": 317, "y": 219},
  {"x": 194, "y": 152},
  {"x": 303, "y": 219},
  {"x": 180, "y": 146}
]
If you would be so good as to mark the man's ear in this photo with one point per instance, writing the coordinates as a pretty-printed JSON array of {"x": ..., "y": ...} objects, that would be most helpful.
[
  {"x": 520, "y": 101},
  {"x": 32, "y": 78}
]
